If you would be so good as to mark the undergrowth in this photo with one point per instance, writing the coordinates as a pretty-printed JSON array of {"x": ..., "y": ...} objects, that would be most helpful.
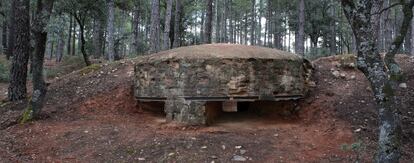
[{"x": 4, "y": 69}]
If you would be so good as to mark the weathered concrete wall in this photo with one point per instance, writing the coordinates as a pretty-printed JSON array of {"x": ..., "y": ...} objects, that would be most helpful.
[
  {"x": 220, "y": 78},
  {"x": 187, "y": 81}
]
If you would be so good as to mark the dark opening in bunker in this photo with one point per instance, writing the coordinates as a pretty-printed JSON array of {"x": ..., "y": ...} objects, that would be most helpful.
[
  {"x": 242, "y": 111},
  {"x": 156, "y": 107}
]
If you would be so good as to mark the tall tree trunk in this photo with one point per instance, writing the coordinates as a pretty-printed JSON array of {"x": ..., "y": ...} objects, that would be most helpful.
[
  {"x": 203, "y": 15},
  {"x": 4, "y": 37},
  {"x": 74, "y": 39},
  {"x": 407, "y": 41},
  {"x": 208, "y": 28},
  {"x": 231, "y": 25},
  {"x": 39, "y": 85},
  {"x": 253, "y": 23},
  {"x": 387, "y": 26},
  {"x": 21, "y": 51},
  {"x": 110, "y": 31},
  {"x": 382, "y": 75},
  {"x": 98, "y": 37},
  {"x": 300, "y": 37},
  {"x": 135, "y": 29},
  {"x": 60, "y": 47},
  {"x": 1, "y": 38},
  {"x": 70, "y": 35},
  {"x": 224, "y": 30},
  {"x": 332, "y": 30},
  {"x": 412, "y": 37},
  {"x": 167, "y": 26},
  {"x": 259, "y": 30},
  {"x": 217, "y": 22},
  {"x": 177, "y": 22},
  {"x": 82, "y": 40},
  {"x": 12, "y": 29},
  {"x": 155, "y": 26}
]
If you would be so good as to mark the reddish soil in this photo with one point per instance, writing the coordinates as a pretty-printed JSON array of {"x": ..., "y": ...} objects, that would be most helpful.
[{"x": 93, "y": 117}]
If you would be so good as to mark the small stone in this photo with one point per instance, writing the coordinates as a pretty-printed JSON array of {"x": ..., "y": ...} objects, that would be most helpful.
[
  {"x": 223, "y": 147},
  {"x": 214, "y": 157},
  {"x": 336, "y": 74},
  {"x": 86, "y": 131},
  {"x": 238, "y": 147},
  {"x": 171, "y": 154},
  {"x": 238, "y": 158},
  {"x": 403, "y": 85},
  {"x": 204, "y": 147},
  {"x": 141, "y": 159},
  {"x": 343, "y": 75},
  {"x": 352, "y": 65},
  {"x": 312, "y": 84},
  {"x": 357, "y": 130},
  {"x": 276, "y": 135},
  {"x": 353, "y": 77},
  {"x": 243, "y": 151}
]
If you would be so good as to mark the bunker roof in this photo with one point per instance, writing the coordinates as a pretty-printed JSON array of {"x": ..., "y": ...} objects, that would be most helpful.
[{"x": 224, "y": 51}]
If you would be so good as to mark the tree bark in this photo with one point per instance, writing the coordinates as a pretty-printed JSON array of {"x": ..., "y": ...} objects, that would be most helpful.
[
  {"x": 39, "y": 86},
  {"x": 155, "y": 27},
  {"x": 12, "y": 29},
  {"x": 332, "y": 30},
  {"x": 70, "y": 35},
  {"x": 207, "y": 33},
  {"x": 21, "y": 51},
  {"x": 412, "y": 38},
  {"x": 82, "y": 40},
  {"x": 259, "y": 29},
  {"x": 387, "y": 26},
  {"x": 218, "y": 20},
  {"x": 177, "y": 22},
  {"x": 98, "y": 37},
  {"x": 136, "y": 23},
  {"x": 74, "y": 39},
  {"x": 167, "y": 26},
  {"x": 253, "y": 23},
  {"x": 110, "y": 31},
  {"x": 300, "y": 38},
  {"x": 4, "y": 39}
]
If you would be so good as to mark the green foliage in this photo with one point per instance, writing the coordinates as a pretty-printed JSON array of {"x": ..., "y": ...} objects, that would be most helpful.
[
  {"x": 27, "y": 115},
  {"x": 4, "y": 69}
]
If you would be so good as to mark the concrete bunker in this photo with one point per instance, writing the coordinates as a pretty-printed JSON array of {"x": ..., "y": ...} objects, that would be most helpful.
[{"x": 196, "y": 84}]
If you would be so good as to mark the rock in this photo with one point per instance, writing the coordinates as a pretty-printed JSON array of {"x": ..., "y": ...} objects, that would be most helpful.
[
  {"x": 204, "y": 147},
  {"x": 312, "y": 84},
  {"x": 357, "y": 130},
  {"x": 141, "y": 159},
  {"x": 214, "y": 157},
  {"x": 353, "y": 77},
  {"x": 403, "y": 85},
  {"x": 238, "y": 147},
  {"x": 343, "y": 75},
  {"x": 243, "y": 151},
  {"x": 223, "y": 147},
  {"x": 336, "y": 74},
  {"x": 238, "y": 158}
]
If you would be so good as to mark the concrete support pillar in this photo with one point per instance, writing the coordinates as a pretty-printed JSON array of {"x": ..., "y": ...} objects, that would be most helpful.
[{"x": 186, "y": 111}]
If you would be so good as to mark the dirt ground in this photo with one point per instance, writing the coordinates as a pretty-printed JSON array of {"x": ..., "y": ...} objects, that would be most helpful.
[{"x": 91, "y": 116}]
